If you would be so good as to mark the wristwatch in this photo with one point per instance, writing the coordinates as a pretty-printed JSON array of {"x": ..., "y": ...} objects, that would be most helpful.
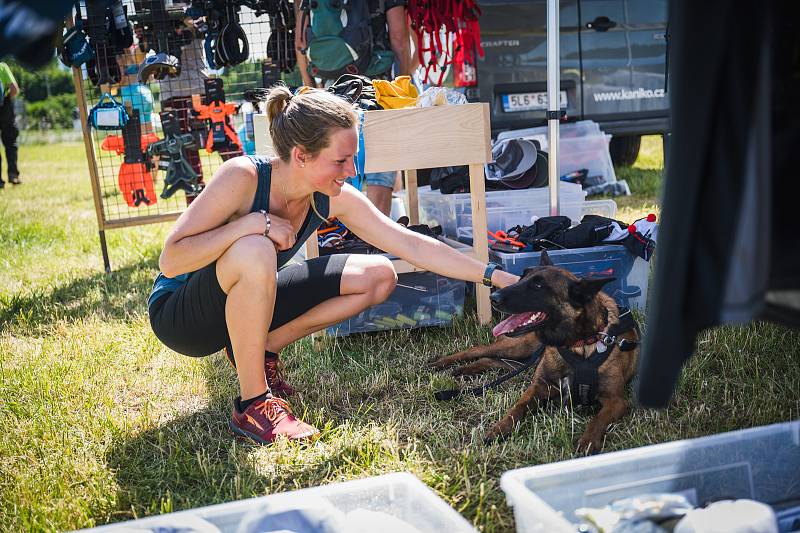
[
  {"x": 487, "y": 274},
  {"x": 267, "y": 220}
]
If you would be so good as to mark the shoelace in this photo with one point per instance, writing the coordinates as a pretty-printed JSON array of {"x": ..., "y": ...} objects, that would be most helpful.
[
  {"x": 274, "y": 371},
  {"x": 275, "y": 409}
]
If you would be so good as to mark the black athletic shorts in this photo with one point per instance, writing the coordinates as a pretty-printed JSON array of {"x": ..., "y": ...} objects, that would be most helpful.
[{"x": 191, "y": 320}]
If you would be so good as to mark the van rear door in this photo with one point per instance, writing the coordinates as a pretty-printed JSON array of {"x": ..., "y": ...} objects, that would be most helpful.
[
  {"x": 623, "y": 56},
  {"x": 512, "y": 75}
]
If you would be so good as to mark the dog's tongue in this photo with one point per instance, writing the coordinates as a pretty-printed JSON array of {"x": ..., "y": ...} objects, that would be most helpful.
[{"x": 511, "y": 323}]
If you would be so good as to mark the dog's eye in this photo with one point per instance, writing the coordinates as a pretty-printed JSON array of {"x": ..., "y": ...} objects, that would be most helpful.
[{"x": 535, "y": 285}]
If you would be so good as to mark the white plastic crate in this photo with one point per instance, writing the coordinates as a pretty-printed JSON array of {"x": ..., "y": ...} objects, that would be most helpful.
[
  {"x": 760, "y": 464},
  {"x": 400, "y": 495}
]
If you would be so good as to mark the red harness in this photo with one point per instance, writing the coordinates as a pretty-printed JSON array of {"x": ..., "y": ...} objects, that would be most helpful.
[
  {"x": 456, "y": 17},
  {"x": 134, "y": 178}
]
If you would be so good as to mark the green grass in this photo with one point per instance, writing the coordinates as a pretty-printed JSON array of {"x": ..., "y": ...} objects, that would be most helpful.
[{"x": 100, "y": 423}]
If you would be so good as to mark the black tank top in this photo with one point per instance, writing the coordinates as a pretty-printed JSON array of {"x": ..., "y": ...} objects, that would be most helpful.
[
  {"x": 164, "y": 285},
  {"x": 261, "y": 201}
]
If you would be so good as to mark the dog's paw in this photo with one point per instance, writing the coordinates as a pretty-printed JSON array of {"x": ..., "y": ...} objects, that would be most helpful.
[
  {"x": 462, "y": 371},
  {"x": 498, "y": 432},
  {"x": 588, "y": 445},
  {"x": 439, "y": 364}
]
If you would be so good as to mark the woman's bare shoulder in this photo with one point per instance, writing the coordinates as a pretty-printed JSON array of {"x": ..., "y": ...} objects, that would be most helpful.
[
  {"x": 238, "y": 173},
  {"x": 241, "y": 167}
]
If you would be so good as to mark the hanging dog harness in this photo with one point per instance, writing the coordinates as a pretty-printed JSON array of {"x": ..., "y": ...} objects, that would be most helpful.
[
  {"x": 221, "y": 135},
  {"x": 170, "y": 150},
  {"x": 584, "y": 383},
  {"x": 134, "y": 179},
  {"x": 459, "y": 19}
]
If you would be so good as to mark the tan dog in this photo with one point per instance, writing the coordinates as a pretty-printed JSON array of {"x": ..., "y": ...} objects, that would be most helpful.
[{"x": 589, "y": 350}]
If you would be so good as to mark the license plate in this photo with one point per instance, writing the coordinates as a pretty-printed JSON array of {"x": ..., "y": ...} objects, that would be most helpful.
[{"x": 530, "y": 101}]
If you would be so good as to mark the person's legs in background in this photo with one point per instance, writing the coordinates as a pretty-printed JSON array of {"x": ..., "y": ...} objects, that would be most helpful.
[
  {"x": 9, "y": 134},
  {"x": 379, "y": 190}
]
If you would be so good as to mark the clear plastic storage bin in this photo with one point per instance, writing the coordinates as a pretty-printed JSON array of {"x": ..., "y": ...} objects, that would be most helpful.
[
  {"x": 399, "y": 495},
  {"x": 604, "y": 208},
  {"x": 760, "y": 464},
  {"x": 504, "y": 218},
  {"x": 504, "y": 209},
  {"x": 581, "y": 145},
  {"x": 590, "y": 153},
  {"x": 421, "y": 299},
  {"x": 631, "y": 272},
  {"x": 582, "y": 128}
]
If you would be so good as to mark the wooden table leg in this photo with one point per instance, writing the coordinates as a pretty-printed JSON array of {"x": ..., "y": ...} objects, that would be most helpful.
[
  {"x": 480, "y": 242},
  {"x": 412, "y": 196}
]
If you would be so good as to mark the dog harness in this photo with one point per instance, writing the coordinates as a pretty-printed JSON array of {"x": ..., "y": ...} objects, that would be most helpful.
[
  {"x": 221, "y": 135},
  {"x": 172, "y": 158},
  {"x": 430, "y": 19},
  {"x": 584, "y": 383}
]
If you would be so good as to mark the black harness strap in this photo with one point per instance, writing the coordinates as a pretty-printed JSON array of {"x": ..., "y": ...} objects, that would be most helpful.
[
  {"x": 444, "y": 395},
  {"x": 585, "y": 370},
  {"x": 625, "y": 323}
]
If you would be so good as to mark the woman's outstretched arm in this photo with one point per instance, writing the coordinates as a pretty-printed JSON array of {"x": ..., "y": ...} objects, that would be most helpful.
[{"x": 361, "y": 217}]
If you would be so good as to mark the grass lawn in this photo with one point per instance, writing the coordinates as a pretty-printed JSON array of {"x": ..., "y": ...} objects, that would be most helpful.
[{"x": 100, "y": 423}]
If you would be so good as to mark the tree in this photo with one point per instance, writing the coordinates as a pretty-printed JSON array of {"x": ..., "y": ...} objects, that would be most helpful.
[{"x": 50, "y": 80}]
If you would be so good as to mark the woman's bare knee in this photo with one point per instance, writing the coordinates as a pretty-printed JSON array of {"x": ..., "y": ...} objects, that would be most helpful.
[
  {"x": 252, "y": 258},
  {"x": 382, "y": 279}
]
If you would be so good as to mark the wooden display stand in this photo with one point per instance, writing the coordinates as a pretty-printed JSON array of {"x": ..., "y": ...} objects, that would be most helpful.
[{"x": 415, "y": 138}]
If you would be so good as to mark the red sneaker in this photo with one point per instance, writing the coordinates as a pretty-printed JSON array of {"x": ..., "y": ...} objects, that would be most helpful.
[
  {"x": 266, "y": 420},
  {"x": 273, "y": 370}
]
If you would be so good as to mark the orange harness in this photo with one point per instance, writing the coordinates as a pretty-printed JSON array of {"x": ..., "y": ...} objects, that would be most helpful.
[
  {"x": 134, "y": 178},
  {"x": 221, "y": 135}
]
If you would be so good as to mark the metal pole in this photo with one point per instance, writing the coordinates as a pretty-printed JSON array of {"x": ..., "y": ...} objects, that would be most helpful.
[{"x": 553, "y": 104}]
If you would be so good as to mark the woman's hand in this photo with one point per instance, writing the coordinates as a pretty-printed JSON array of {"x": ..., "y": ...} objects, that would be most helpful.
[
  {"x": 502, "y": 279},
  {"x": 281, "y": 232}
]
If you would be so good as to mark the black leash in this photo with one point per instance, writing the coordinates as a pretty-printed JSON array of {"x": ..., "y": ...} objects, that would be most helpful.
[{"x": 445, "y": 395}]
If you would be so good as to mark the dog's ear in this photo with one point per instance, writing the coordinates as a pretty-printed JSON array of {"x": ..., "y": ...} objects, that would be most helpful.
[
  {"x": 583, "y": 290},
  {"x": 544, "y": 259}
]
